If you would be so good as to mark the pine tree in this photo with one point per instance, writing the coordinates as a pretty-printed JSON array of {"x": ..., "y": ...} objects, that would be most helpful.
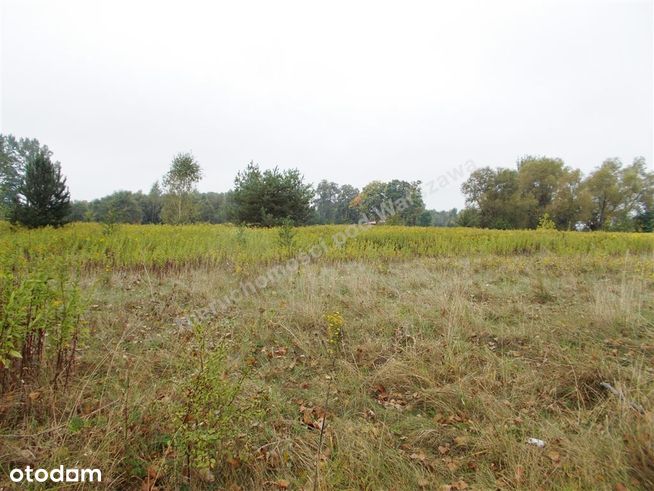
[{"x": 43, "y": 198}]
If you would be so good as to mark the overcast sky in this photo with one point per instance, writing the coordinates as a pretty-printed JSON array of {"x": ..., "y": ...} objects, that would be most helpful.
[{"x": 348, "y": 91}]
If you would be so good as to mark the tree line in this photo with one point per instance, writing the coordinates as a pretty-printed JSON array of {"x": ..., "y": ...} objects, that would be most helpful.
[
  {"x": 544, "y": 191},
  {"x": 538, "y": 192},
  {"x": 33, "y": 192},
  {"x": 260, "y": 197}
]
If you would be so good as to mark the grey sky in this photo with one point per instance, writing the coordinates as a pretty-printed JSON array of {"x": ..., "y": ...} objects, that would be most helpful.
[{"x": 347, "y": 91}]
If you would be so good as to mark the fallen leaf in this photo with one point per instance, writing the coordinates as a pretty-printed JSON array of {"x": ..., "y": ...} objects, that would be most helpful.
[
  {"x": 460, "y": 441},
  {"x": 152, "y": 472},
  {"x": 206, "y": 475},
  {"x": 148, "y": 485},
  {"x": 620, "y": 487},
  {"x": 519, "y": 473},
  {"x": 279, "y": 352},
  {"x": 443, "y": 449},
  {"x": 451, "y": 465},
  {"x": 554, "y": 456},
  {"x": 283, "y": 484},
  {"x": 381, "y": 391},
  {"x": 274, "y": 458},
  {"x": 418, "y": 456},
  {"x": 307, "y": 416},
  {"x": 26, "y": 456}
]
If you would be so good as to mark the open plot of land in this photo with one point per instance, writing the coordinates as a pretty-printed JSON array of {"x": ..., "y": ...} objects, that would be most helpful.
[{"x": 423, "y": 372}]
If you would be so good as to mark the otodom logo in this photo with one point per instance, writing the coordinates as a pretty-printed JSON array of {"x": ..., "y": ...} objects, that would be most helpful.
[{"x": 58, "y": 474}]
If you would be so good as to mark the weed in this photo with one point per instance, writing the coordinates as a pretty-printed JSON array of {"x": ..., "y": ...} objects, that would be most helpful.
[{"x": 286, "y": 239}]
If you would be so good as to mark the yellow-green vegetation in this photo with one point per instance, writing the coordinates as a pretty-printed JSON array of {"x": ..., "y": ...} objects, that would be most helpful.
[
  {"x": 160, "y": 246},
  {"x": 427, "y": 356}
]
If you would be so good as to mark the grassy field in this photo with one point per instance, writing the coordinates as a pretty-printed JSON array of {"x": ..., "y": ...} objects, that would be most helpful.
[{"x": 427, "y": 357}]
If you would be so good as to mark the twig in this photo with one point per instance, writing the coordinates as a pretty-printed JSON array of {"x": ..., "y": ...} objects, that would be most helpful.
[
  {"x": 147, "y": 275},
  {"x": 324, "y": 422},
  {"x": 618, "y": 393}
]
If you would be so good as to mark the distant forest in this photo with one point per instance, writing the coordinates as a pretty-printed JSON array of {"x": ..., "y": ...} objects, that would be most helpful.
[{"x": 537, "y": 192}]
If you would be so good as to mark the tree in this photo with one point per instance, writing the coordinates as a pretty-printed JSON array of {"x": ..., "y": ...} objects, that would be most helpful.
[
  {"x": 80, "y": 211},
  {"x": 395, "y": 202},
  {"x": 118, "y": 207},
  {"x": 332, "y": 203},
  {"x": 500, "y": 202},
  {"x": 644, "y": 219},
  {"x": 507, "y": 198},
  {"x": 477, "y": 185},
  {"x": 372, "y": 201},
  {"x": 271, "y": 197},
  {"x": 326, "y": 201},
  {"x": 345, "y": 213},
  {"x": 538, "y": 181},
  {"x": 425, "y": 218},
  {"x": 612, "y": 197},
  {"x": 151, "y": 205},
  {"x": 468, "y": 217},
  {"x": 603, "y": 186},
  {"x": 179, "y": 183},
  {"x": 571, "y": 203},
  {"x": 14, "y": 156},
  {"x": 407, "y": 197},
  {"x": 212, "y": 207},
  {"x": 445, "y": 218},
  {"x": 42, "y": 198},
  {"x": 637, "y": 193}
]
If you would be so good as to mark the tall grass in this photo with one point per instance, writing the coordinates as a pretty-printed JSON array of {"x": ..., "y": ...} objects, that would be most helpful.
[
  {"x": 459, "y": 345},
  {"x": 161, "y": 246}
]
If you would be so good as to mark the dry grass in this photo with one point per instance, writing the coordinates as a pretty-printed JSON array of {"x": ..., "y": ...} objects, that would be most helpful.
[{"x": 446, "y": 367}]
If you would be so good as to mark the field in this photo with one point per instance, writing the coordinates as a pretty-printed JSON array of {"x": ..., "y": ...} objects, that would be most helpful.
[{"x": 345, "y": 358}]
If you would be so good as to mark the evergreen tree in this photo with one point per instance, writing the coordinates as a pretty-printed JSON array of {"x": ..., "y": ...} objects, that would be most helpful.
[
  {"x": 152, "y": 204},
  {"x": 43, "y": 197},
  {"x": 271, "y": 197},
  {"x": 15, "y": 153}
]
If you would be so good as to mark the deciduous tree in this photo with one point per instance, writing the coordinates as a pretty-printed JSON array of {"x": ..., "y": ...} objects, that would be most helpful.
[{"x": 179, "y": 184}]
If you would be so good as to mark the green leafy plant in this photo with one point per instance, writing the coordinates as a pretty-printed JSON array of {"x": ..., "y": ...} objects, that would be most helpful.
[
  {"x": 286, "y": 238},
  {"x": 546, "y": 223},
  {"x": 210, "y": 417},
  {"x": 40, "y": 323},
  {"x": 241, "y": 239}
]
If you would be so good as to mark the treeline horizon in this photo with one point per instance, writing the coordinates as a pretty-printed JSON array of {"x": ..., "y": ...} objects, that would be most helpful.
[{"x": 540, "y": 192}]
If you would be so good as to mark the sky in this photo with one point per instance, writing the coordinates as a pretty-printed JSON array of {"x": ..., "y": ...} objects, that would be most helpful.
[{"x": 349, "y": 91}]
